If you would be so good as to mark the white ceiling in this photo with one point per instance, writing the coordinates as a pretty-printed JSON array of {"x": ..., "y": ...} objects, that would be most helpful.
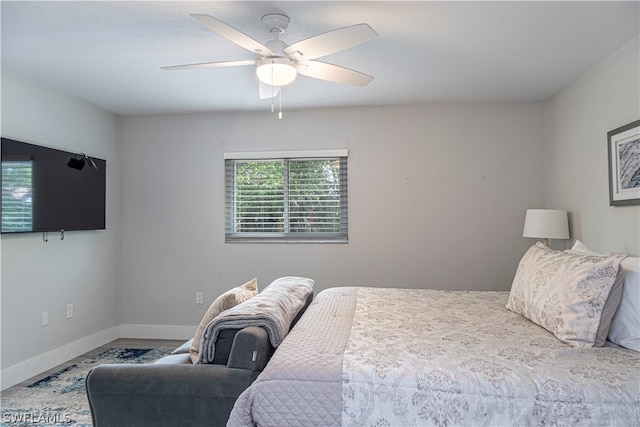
[{"x": 109, "y": 53}]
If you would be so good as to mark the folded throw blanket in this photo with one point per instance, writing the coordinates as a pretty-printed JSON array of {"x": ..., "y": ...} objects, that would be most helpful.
[{"x": 273, "y": 309}]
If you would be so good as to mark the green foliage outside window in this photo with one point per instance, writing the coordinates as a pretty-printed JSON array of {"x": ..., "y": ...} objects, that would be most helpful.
[{"x": 259, "y": 197}]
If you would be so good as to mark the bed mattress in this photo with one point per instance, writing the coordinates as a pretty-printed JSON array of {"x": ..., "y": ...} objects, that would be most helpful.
[{"x": 392, "y": 357}]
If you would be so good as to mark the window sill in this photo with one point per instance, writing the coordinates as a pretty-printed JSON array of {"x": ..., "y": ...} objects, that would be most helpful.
[{"x": 246, "y": 239}]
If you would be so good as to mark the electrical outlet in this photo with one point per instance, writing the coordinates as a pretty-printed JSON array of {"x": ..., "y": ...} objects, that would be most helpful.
[
  {"x": 44, "y": 318},
  {"x": 199, "y": 297},
  {"x": 69, "y": 311}
]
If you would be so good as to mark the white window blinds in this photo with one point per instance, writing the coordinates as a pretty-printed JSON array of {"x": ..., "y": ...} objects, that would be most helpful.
[{"x": 286, "y": 199}]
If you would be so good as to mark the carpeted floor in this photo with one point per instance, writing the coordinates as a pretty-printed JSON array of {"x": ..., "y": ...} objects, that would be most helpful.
[{"x": 59, "y": 398}]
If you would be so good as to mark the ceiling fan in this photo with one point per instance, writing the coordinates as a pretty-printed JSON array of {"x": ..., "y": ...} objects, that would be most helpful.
[{"x": 280, "y": 63}]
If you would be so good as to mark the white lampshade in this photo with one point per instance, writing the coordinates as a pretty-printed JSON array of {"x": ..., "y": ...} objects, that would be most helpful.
[
  {"x": 546, "y": 224},
  {"x": 276, "y": 71}
]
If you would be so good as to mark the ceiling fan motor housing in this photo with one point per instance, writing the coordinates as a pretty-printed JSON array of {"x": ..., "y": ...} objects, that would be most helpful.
[{"x": 277, "y": 46}]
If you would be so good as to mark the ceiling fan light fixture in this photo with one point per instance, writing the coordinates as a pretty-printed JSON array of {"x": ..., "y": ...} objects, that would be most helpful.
[{"x": 276, "y": 71}]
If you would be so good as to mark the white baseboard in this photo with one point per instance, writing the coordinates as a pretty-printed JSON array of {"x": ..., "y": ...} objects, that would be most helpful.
[
  {"x": 24, "y": 370},
  {"x": 31, "y": 367},
  {"x": 160, "y": 332}
]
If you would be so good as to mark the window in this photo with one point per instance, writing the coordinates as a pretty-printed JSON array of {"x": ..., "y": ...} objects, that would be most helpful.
[
  {"x": 17, "y": 198},
  {"x": 294, "y": 196}
]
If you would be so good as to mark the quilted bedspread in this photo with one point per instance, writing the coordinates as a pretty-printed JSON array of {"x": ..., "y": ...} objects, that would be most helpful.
[{"x": 396, "y": 357}]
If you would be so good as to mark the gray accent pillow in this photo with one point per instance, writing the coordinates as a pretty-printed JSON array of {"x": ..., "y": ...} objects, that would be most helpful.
[{"x": 610, "y": 308}]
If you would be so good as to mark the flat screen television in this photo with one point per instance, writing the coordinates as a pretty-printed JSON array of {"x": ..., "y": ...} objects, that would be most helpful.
[{"x": 43, "y": 189}]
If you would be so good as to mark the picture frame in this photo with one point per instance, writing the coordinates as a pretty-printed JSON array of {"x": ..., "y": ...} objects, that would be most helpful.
[{"x": 624, "y": 165}]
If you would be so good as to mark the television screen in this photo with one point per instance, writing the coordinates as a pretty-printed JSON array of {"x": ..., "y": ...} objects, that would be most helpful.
[{"x": 44, "y": 189}]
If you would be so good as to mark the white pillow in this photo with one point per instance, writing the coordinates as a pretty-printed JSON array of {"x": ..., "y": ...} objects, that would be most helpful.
[
  {"x": 565, "y": 293},
  {"x": 583, "y": 249},
  {"x": 625, "y": 325}
]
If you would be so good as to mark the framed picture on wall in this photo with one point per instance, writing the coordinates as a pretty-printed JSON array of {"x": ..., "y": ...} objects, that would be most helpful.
[{"x": 624, "y": 165}]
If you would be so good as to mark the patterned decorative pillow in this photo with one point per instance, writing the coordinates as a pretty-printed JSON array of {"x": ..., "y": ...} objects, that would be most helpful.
[
  {"x": 564, "y": 293},
  {"x": 229, "y": 299},
  {"x": 625, "y": 324}
]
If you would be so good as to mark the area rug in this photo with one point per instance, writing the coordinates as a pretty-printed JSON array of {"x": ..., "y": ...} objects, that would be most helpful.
[{"x": 60, "y": 398}]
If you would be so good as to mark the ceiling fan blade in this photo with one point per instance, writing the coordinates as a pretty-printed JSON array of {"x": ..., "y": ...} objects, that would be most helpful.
[
  {"x": 267, "y": 91},
  {"x": 331, "y": 42},
  {"x": 209, "y": 65},
  {"x": 230, "y": 33},
  {"x": 333, "y": 73}
]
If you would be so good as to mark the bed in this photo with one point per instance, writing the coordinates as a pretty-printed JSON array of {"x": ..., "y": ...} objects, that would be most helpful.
[{"x": 389, "y": 357}]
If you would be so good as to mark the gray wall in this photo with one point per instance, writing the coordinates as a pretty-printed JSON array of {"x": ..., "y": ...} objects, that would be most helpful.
[
  {"x": 437, "y": 196},
  {"x": 577, "y": 121},
  {"x": 83, "y": 268}
]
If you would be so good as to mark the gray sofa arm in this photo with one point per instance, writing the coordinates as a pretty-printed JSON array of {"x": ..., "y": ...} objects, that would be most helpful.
[
  {"x": 164, "y": 395},
  {"x": 251, "y": 349}
]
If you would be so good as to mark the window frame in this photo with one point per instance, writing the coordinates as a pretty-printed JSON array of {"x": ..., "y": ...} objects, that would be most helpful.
[{"x": 285, "y": 237}]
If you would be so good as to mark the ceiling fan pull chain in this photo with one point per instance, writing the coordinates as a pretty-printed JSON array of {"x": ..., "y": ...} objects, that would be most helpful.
[
  {"x": 273, "y": 95},
  {"x": 280, "y": 99}
]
